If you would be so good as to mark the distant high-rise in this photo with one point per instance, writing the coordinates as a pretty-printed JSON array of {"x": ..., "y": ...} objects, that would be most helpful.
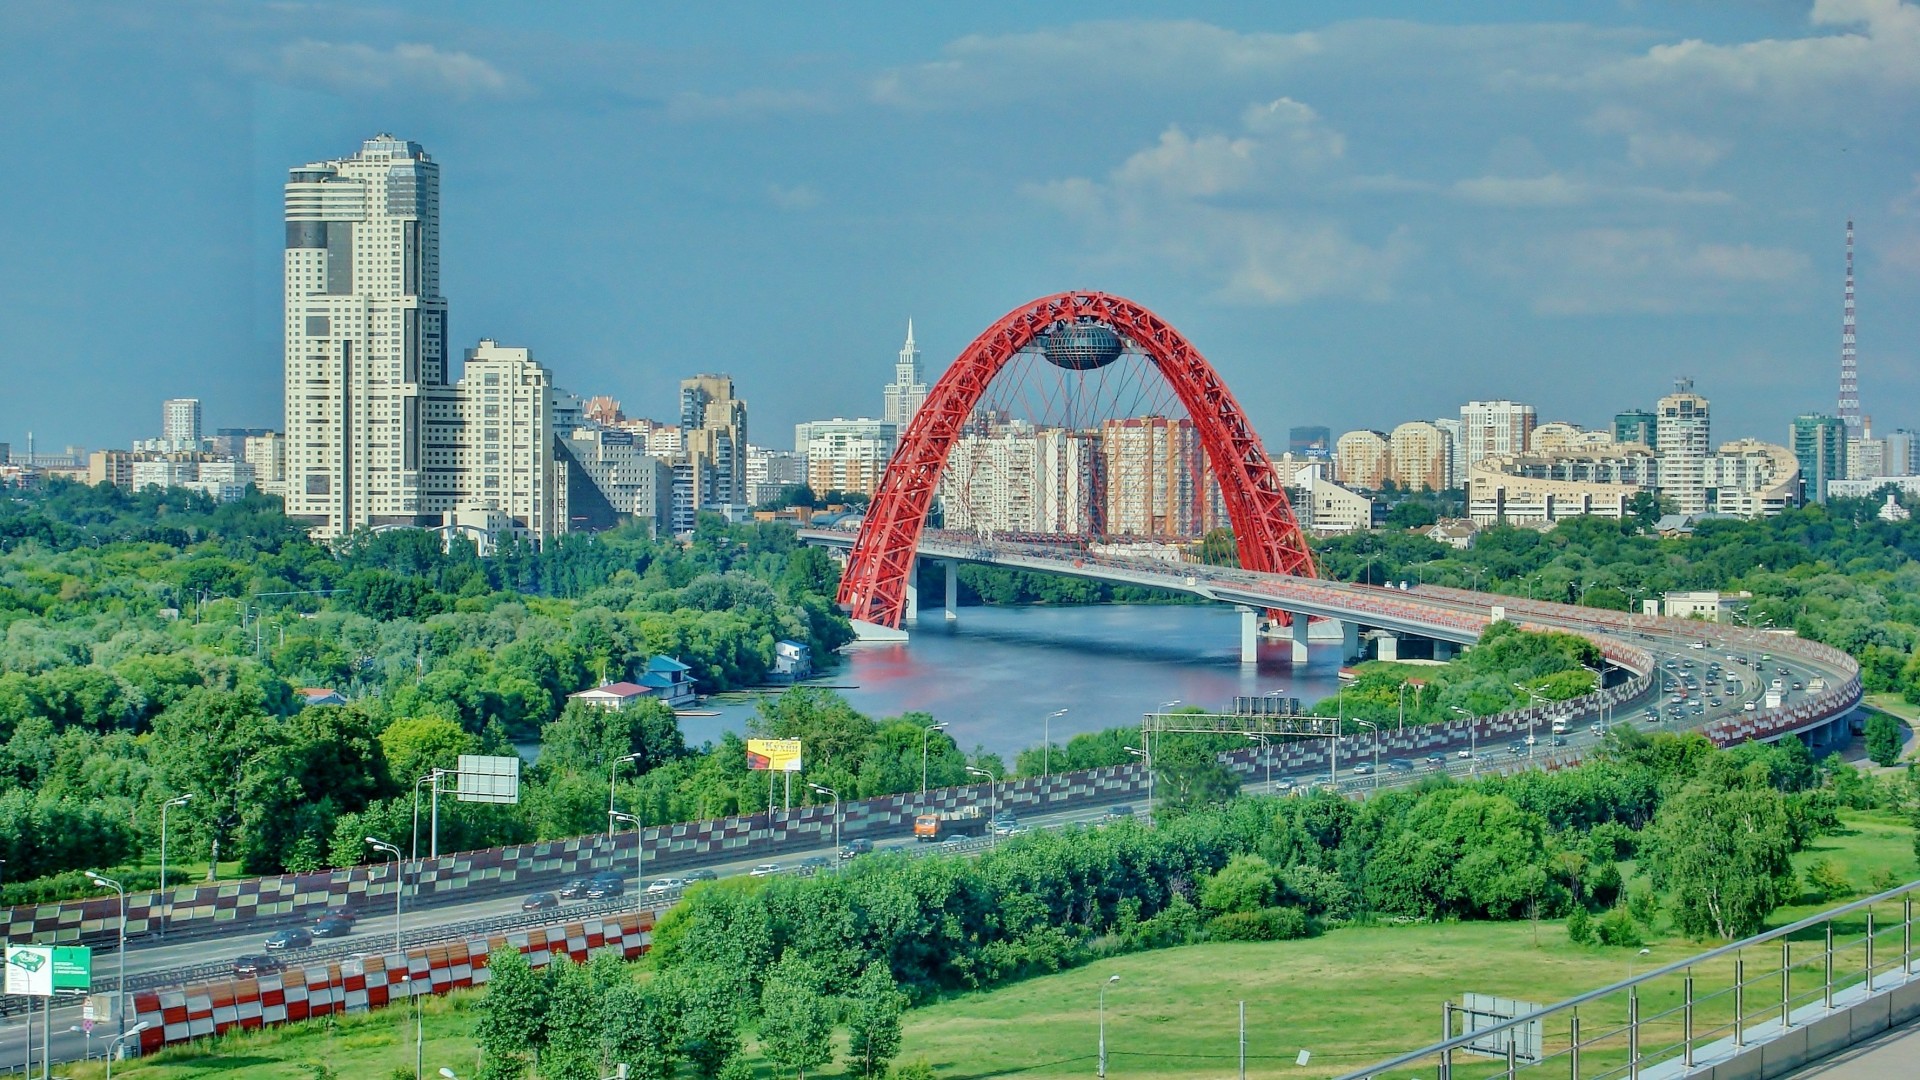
[
  {"x": 1311, "y": 441},
  {"x": 714, "y": 424},
  {"x": 1820, "y": 442},
  {"x": 1420, "y": 454},
  {"x": 1637, "y": 426},
  {"x": 180, "y": 422},
  {"x": 1496, "y": 428},
  {"x": 908, "y": 390},
  {"x": 1363, "y": 459},
  {"x": 1456, "y": 431},
  {"x": 1849, "y": 410},
  {"x": 365, "y": 334},
  {"x": 1684, "y": 431}
]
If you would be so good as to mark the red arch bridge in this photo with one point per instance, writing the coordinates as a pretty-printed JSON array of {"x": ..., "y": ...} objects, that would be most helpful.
[{"x": 1082, "y": 332}]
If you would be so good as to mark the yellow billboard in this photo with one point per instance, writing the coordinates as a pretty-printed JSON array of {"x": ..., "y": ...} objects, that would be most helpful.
[{"x": 777, "y": 755}]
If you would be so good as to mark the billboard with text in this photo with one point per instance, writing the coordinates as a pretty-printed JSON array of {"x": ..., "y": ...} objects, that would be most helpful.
[{"x": 776, "y": 755}]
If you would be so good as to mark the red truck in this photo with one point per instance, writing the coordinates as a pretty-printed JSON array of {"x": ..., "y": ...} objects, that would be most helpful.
[{"x": 940, "y": 824}]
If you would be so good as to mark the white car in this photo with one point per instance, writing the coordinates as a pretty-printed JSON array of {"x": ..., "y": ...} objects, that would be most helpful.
[
  {"x": 1464, "y": 753},
  {"x": 1751, "y": 706},
  {"x": 765, "y": 868},
  {"x": 666, "y": 885}
]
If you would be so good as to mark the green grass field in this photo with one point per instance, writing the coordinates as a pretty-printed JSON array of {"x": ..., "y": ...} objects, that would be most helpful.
[{"x": 1351, "y": 997}]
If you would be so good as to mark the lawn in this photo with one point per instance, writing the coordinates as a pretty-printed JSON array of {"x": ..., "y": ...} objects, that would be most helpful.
[{"x": 1351, "y": 997}]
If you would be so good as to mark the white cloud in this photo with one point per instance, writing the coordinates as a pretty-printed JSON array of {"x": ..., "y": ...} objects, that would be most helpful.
[
  {"x": 1878, "y": 47},
  {"x": 1607, "y": 271},
  {"x": 1215, "y": 205},
  {"x": 353, "y": 69},
  {"x": 798, "y": 197},
  {"x": 1558, "y": 190},
  {"x": 1651, "y": 145},
  {"x": 746, "y": 104}
]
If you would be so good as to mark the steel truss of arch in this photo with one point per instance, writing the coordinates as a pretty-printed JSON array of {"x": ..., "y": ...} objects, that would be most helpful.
[{"x": 874, "y": 587}]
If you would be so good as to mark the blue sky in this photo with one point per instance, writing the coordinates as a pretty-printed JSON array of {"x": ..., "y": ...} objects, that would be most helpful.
[{"x": 1362, "y": 213}]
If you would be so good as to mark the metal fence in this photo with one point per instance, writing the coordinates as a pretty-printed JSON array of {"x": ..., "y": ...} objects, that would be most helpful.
[{"x": 1685, "y": 1015}]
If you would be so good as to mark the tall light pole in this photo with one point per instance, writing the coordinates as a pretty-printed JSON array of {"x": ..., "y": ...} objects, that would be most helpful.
[
  {"x": 1538, "y": 700},
  {"x": 1103, "y": 1025},
  {"x": 993, "y": 804},
  {"x": 613, "y": 779},
  {"x": 1600, "y": 687},
  {"x": 1473, "y": 737},
  {"x": 393, "y": 850},
  {"x": 1403, "y": 706},
  {"x": 120, "y": 987},
  {"x": 166, "y": 913},
  {"x": 1375, "y": 728},
  {"x": 1046, "y": 741},
  {"x": 1147, "y": 760},
  {"x": 1266, "y": 754},
  {"x": 824, "y": 790},
  {"x": 925, "y": 734},
  {"x": 639, "y": 851},
  {"x": 114, "y": 1047}
]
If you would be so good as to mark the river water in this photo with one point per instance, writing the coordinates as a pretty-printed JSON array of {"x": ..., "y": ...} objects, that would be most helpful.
[{"x": 996, "y": 672}]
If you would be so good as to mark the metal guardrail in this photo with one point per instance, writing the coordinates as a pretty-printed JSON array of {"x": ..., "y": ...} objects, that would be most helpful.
[{"x": 1681, "y": 1015}]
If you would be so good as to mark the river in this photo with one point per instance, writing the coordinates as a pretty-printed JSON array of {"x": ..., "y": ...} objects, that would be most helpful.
[{"x": 995, "y": 673}]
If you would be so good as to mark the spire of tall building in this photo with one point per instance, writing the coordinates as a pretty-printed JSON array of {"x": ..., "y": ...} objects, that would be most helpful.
[
  {"x": 908, "y": 390},
  {"x": 1849, "y": 363}
]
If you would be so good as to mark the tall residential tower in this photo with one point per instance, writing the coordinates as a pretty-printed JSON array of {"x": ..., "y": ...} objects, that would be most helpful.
[{"x": 908, "y": 390}]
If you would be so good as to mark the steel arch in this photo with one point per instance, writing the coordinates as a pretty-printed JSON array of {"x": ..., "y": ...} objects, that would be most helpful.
[{"x": 874, "y": 587}]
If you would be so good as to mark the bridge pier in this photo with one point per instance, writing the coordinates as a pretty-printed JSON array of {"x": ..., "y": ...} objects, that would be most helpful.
[
  {"x": 1387, "y": 646},
  {"x": 953, "y": 587},
  {"x": 1300, "y": 627},
  {"x": 1249, "y": 634},
  {"x": 912, "y": 612},
  {"x": 1443, "y": 649},
  {"x": 1350, "y": 649}
]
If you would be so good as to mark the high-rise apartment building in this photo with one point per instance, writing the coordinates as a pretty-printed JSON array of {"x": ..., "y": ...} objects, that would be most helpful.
[
  {"x": 714, "y": 424},
  {"x": 1496, "y": 428},
  {"x": 908, "y": 390},
  {"x": 1456, "y": 431},
  {"x": 365, "y": 334},
  {"x": 1820, "y": 442},
  {"x": 1420, "y": 455},
  {"x": 1637, "y": 426},
  {"x": 268, "y": 455},
  {"x": 1363, "y": 459},
  {"x": 1867, "y": 457},
  {"x": 487, "y": 446},
  {"x": 180, "y": 422},
  {"x": 1903, "y": 454},
  {"x": 1017, "y": 479},
  {"x": 1313, "y": 442},
  {"x": 634, "y": 483},
  {"x": 845, "y": 455},
  {"x": 1155, "y": 479},
  {"x": 1684, "y": 433},
  {"x": 769, "y": 472}
]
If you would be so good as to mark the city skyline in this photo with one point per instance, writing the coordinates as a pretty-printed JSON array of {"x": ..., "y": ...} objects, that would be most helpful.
[{"x": 1595, "y": 246}]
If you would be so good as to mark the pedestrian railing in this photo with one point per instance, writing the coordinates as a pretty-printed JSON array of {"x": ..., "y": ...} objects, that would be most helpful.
[{"x": 1677, "y": 1018}]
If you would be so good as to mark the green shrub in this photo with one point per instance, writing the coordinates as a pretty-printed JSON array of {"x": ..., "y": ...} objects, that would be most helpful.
[
  {"x": 1245, "y": 884},
  {"x": 1617, "y": 927},
  {"x": 1580, "y": 927},
  {"x": 1267, "y": 924}
]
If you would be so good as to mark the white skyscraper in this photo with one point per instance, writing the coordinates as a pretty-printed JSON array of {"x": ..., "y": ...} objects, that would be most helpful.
[
  {"x": 1684, "y": 432},
  {"x": 487, "y": 447},
  {"x": 1496, "y": 429},
  {"x": 908, "y": 390},
  {"x": 180, "y": 423},
  {"x": 365, "y": 334}
]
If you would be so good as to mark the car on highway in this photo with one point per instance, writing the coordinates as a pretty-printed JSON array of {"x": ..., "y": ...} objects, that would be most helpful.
[
  {"x": 333, "y": 926},
  {"x": 702, "y": 874},
  {"x": 574, "y": 889},
  {"x": 1363, "y": 769},
  {"x": 856, "y": 847},
  {"x": 766, "y": 869},
  {"x": 1750, "y": 706},
  {"x": 1559, "y": 740},
  {"x": 1283, "y": 785},
  {"x": 292, "y": 937},
  {"x": 251, "y": 965},
  {"x": 1006, "y": 825},
  {"x": 815, "y": 862},
  {"x": 1118, "y": 810},
  {"x": 1437, "y": 758},
  {"x": 347, "y": 913},
  {"x": 665, "y": 885},
  {"x": 1517, "y": 749},
  {"x": 956, "y": 838},
  {"x": 1400, "y": 765},
  {"x": 605, "y": 886},
  {"x": 540, "y": 901},
  {"x": 1466, "y": 753},
  {"x": 1715, "y": 702}
]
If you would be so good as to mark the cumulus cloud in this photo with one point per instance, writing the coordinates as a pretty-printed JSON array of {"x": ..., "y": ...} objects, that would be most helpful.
[
  {"x": 353, "y": 69},
  {"x": 1652, "y": 145},
  {"x": 1216, "y": 204},
  {"x": 1607, "y": 271},
  {"x": 1558, "y": 190},
  {"x": 1877, "y": 46}
]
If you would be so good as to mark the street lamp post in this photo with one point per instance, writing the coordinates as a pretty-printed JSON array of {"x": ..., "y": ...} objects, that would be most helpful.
[
  {"x": 1473, "y": 740},
  {"x": 1266, "y": 754},
  {"x": 613, "y": 779},
  {"x": 1403, "y": 706},
  {"x": 393, "y": 850},
  {"x": 824, "y": 790},
  {"x": 925, "y": 734},
  {"x": 120, "y": 986},
  {"x": 1046, "y": 740},
  {"x": 166, "y": 912},
  {"x": 1103, "y": 1025},
  {"x": 1600, "y": 687},
  {"x": 639, "y": 852},
  {"x": 1375, "y": 728},
  {"x": 114, "y": 1047},
  {"x": 1146, "y": 759},
  {"x": 993, "y": 804},
  {"x": 1537, "y": 699}
]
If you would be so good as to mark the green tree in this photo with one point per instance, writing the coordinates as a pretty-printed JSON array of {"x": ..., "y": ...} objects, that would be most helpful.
[
  {"x": 1827, "y": 881},
  {"x": 1580, "y": 926},
  {"x": 512, "y": 1016},
  {"x": 1722, "y": 859},
  {"x": 1618, "y": 928},
  {"x": 644, "y": 1030},
  {"x": 209, "y": 744},
  {"x": 1884, "y": 737},
  {"x": 873, "y": 1020},
  {"x": 1246, "y": 883},
  {"x": 573, "y": 1027},
  {"x": 796, "y": 1019}
]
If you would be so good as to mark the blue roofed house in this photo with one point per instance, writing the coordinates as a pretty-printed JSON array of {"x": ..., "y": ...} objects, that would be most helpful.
[{"x": 669, "y": 680}]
